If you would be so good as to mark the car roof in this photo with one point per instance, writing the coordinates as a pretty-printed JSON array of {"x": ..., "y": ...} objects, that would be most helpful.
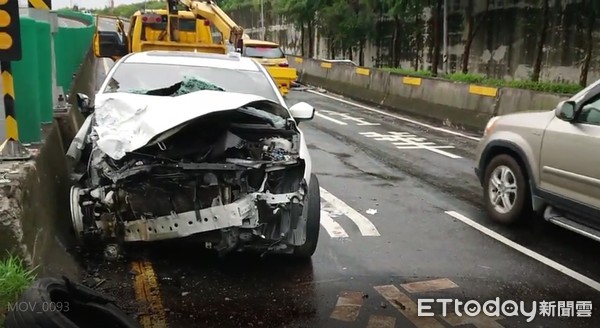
[{"x": 188, "y": 58}]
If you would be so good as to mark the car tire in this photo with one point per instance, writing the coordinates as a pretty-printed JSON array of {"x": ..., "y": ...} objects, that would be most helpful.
[
  {"x": 506, "y": 190},
  {"x": 313, "y": 220},
  {"x": 56, "y": 303}
]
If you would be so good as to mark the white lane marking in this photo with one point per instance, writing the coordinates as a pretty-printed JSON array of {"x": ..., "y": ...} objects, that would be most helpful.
[
  {"x": 348, "y": 306},
  {"x": 441, "y": 152},
  {"x": 429, "y": 285},
  {"x": 429, "y": 126},
  {"x": 381, "y": 321},
  {"x": 534, "y": 255},
  {"x": 331, "y": 119},
  {"x": 333, "y": 228},
  {"x": 407, "y": 307},
  {"x": 405, "y": 140},
  {"x": 365, "y": 226},
  {"x": 346, "y": 117}
]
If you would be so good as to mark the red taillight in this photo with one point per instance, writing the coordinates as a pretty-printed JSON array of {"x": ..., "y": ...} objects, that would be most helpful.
[
  {"x": 158, "y": 20},
  {"x": 144, "y": 19},
  {"x": 206, "y": 23},
  {"x": 284, "y": 85},
  {"x": 284, "y": 64}
]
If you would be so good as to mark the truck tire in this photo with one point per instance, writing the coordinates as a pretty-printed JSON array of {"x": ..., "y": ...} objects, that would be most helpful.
[
  {"x": 56, "y": 303},
  {"x": 313, "y": 220},
  {"x": 506, "y": 191}
]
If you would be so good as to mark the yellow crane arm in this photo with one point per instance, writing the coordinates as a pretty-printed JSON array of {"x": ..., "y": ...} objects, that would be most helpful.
[{"x": 210, "y": 11}]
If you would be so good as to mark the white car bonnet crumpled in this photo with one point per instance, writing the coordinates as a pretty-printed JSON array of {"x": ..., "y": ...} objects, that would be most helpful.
[{"x": 125, "y": 122}]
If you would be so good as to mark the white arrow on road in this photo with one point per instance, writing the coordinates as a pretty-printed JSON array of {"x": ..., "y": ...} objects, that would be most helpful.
[{"x": 365, "y": 226}]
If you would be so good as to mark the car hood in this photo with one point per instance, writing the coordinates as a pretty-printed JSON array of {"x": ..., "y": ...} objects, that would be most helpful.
[
  {"x": 538, "y": 120},
  {"x": 125, "y": 122}
]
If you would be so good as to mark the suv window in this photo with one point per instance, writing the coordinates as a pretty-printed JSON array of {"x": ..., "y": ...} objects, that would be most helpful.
[{"x": 590, "y": 112}]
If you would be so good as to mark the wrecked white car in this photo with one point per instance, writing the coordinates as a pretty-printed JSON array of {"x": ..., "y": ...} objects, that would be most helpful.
[{"x": 231, "y": 169}]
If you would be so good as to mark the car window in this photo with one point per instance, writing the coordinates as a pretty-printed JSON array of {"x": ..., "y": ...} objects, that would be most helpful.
[
  {"x": 138, "y": 77},
  {"x": 262, "y": 51},
  {"x": 590, "y": 112}
]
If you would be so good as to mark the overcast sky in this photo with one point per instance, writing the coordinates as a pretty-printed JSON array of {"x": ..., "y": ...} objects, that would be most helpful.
[{"x": 57, "y": 4}]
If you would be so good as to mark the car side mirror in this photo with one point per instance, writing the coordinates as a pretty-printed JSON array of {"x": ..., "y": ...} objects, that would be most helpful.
[
  {"x": 566, "y": 110},
  {"x": 302, "y": 112},
  {"x": 84, "y": 104}
]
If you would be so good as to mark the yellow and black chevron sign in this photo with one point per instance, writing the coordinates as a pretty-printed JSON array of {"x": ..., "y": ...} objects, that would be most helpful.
[
  {"x": 10, "y": 31},
  {"x": 40, "y": 4},
  {"x": 8, "y": 94}
]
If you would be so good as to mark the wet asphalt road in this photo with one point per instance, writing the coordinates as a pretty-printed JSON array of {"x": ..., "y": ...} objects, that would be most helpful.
[
  {"x": 358, "y": 280},
  {"x": 180, "y": 285}
]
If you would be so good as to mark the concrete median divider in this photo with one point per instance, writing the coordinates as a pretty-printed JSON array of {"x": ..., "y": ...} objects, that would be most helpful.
[
  {"x": 459, "y": 105},
  {"x": 35, "y": 220}
]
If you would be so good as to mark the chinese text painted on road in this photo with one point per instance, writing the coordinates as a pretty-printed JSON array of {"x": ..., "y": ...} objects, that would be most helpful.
[{"x": 404, "y": 140}]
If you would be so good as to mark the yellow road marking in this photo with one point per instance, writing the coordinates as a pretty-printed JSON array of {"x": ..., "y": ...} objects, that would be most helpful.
[
  {"x": 363, "y": 71},
  {"x": 298, "y": 60},
  {"x": 429, "y": 285},
  {"x": 381, "y": 321},
  {"x": 8, "y": 84},
  {"x": 39, "y": 4},
  {"x": 483, "y": 91},
  {"x": 348, "y": 306},
  {"x": 326, "y": 65},
  {"x": 412, "y": 80},
  {"x": 148, "y": 294},
  {"x": 406, "y": 306}
]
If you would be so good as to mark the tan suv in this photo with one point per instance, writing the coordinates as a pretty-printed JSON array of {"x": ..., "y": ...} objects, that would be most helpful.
[{"x": 545, "y": 162}]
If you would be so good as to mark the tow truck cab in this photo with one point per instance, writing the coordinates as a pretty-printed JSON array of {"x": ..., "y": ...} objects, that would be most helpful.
[{"x": 149, "y": 30}]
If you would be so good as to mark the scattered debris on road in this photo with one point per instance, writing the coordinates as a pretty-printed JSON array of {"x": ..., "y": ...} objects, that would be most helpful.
[{"x": 371, "y": 211}]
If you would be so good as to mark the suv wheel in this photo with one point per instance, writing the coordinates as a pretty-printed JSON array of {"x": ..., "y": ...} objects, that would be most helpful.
[{"x": 506, "y": 193}]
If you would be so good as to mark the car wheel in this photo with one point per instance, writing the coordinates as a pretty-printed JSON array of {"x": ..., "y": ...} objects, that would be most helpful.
[
  {"x": 506, "y": 192},
  {"x": 52, "y": 302},
  {"x": 313, "y": 220}
]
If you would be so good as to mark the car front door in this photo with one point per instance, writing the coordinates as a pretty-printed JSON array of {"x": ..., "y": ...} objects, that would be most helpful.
[{"x": 570, "y": 158}]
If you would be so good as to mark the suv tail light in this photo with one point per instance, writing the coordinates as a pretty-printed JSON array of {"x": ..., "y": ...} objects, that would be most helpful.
[{"x": 284, "y": 64}]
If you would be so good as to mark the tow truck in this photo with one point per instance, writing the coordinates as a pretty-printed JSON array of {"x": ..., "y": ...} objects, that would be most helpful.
[{"x": 201, "y": 27}]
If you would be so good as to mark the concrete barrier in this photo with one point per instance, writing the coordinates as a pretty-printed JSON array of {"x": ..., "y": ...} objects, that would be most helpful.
[
  {"x": 460, "y": 105},
  {"x": 51, "y": 57},
  {"x": 34, "y": 195}
]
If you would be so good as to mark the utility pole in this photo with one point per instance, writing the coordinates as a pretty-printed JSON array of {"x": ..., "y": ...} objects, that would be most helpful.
[
  {"x": 445, "y": 57},
  {"x": 262, "y": 18}
]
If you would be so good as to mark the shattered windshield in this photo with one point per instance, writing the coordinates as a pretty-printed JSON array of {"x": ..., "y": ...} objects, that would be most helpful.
[
  {"x": 174, "y": 80},
  {"x": 189, "y": 84}
]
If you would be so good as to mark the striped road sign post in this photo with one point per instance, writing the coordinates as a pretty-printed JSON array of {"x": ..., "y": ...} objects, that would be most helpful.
[
  {"x": 40, "y": 4},
  {"x": 10, "y": 50}
]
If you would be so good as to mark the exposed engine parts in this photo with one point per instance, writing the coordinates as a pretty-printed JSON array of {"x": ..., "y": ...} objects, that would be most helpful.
[{"x": 235, "y": 179}]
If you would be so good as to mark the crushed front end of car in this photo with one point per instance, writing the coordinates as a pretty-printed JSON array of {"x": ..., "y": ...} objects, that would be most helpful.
[{"x": 226, "y": 168}]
